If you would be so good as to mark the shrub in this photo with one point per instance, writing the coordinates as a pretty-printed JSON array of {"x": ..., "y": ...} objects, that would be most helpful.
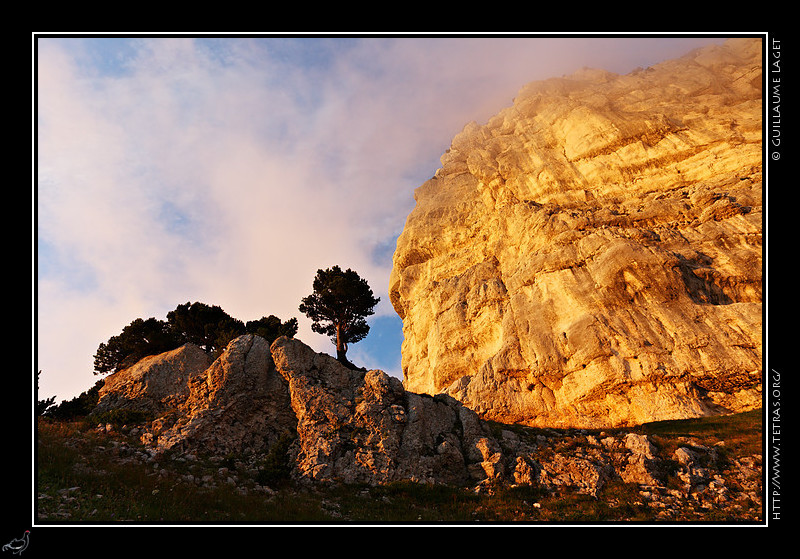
[
  {"x": 277, "y": 466},
  {"x": 119, "y": 417},
  {"x": 80, "y": 406}
]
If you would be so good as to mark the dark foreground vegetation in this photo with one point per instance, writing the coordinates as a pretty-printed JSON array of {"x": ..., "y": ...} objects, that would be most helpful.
[{"x": 86, "y": 474}]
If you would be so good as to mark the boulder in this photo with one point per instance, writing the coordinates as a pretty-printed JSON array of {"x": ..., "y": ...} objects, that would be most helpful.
[
  {"x": 154, "y": 384},
  {"x": 575, "y": 472}
]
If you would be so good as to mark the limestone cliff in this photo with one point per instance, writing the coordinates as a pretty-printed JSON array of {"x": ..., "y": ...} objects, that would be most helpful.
[{"x": 592, "y": 255}]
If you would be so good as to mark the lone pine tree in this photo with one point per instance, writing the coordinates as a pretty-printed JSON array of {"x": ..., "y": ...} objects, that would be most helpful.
[{"x": 340, "y": 302}]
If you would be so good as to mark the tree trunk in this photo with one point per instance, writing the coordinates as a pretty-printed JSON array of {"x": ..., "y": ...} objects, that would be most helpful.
[{"x": 341, "y": 347}]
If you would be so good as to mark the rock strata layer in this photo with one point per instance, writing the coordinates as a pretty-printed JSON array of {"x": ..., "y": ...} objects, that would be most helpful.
[{"x": 592, "y": 256}]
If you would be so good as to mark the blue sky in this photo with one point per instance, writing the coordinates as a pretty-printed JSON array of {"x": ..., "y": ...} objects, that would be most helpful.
[{"x": 229, "y": 170}]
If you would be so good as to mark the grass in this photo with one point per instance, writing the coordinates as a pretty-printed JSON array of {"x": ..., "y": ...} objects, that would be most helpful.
[
  {"x": 740, "y": 434},
  {"x": 79, "y": 479},
  {"x": 82, "y": 477}
]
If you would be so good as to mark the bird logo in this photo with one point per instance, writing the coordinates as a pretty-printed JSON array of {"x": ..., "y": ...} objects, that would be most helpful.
[{"x": 18, "y": 545}]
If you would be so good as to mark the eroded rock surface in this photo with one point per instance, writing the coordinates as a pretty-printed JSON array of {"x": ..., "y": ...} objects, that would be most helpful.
[
  {"x": 154, "y": 384},
  {"x": 363, "y": 427},
  {"x": 592, "y": 255},
  {"x": 239, "y": 405},
  {"x": 347, "y": 425}
]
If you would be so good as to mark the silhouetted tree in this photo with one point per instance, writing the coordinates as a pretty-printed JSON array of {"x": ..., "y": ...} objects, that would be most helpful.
[
  {"x": 42, "y": 405},
  {"x": 337, "y": 307},
  {"x": 206, "y": 326},
  {"x": 271, "y": 328},
  {"x": 137, "y": 340},
  {"x": 79, "y": 406}
]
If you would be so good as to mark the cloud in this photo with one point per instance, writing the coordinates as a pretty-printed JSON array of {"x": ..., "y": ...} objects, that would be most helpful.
[{"x": 228, "y": 171}]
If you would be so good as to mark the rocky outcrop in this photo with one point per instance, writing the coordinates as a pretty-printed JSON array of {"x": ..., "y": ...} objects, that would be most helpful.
[
  {"x": 362, "y": 427},
  {"x": 239, "y": 405},
  {"x": 691, "y": 477},
  {"x": 592, "y": 255},
  {"x": 154, "y": 384},
  {"x": 348, "y": 425},
  {"x": 674, "y": 478}
]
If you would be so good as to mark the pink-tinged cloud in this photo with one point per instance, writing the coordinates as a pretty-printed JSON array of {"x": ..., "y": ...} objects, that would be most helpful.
[{"x": 228, "y": 171}]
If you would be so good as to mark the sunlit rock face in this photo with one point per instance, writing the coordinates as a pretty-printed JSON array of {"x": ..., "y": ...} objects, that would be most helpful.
[
  {"x": 154, "y": 384},
  {"x": 345, "y": 425},
  {"x": 238, "y": 405},
  {"x": 592, "y": 256}
]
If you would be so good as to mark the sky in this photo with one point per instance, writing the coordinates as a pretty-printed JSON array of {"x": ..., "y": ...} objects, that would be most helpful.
[{"x": 228, "y": 170}]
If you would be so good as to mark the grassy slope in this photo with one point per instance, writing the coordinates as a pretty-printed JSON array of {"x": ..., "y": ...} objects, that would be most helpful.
[{"x": 81, "y": 478}]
